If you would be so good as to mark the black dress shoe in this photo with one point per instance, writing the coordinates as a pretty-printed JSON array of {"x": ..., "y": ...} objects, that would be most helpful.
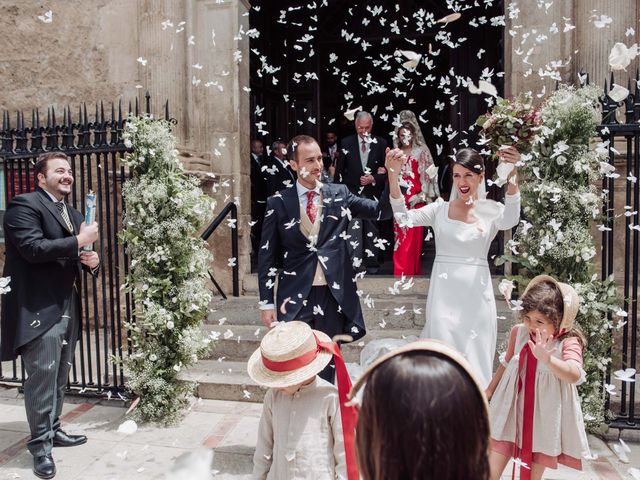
[
  {"x": 62, "y": 439},
  {"x": 43, "y": 467}
]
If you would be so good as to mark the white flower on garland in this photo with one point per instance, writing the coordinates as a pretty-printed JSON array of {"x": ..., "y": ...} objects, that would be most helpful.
[{"x": 164, "y": 209}]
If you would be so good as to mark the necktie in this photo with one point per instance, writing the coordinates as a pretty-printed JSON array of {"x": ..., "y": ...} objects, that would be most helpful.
[
  {"x": 312, "y": 209},
  {"x": 65, "y": 215},
  {"x": 363, "y": 149}
]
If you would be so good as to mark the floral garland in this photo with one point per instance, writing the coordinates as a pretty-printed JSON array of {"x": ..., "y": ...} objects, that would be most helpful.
[
  {"x": 559, "y": 203},
  {"x": 164, "y": 210}
]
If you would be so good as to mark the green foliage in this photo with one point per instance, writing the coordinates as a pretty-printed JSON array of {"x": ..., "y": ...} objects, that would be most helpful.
[
  {"x": 164, "y": 211},
  {"x": 560, "y": 200}
]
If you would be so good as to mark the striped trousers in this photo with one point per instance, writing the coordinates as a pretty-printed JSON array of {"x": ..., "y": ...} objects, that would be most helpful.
[{"x": 47, "y": 360}]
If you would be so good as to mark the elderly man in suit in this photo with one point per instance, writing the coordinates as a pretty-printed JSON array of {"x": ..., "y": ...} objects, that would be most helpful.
[
  {"x": 361, "y": 168},
  {"x": 40, "y": 321},
  {"x": 305, "y": 231}
]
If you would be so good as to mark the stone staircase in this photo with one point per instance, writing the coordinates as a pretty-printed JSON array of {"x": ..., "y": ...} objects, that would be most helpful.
[{"x": 223, "y": 375}]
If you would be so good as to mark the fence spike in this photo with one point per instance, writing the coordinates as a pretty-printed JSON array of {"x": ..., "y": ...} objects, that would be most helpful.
[
  {"x": 96, "y": 117},
  {"x": 137, "y": 110},
  {"x": 120, "y": 113},
  {"x": 147, "y": 98},
  {"x": 53, "y": 117},
  {"x": 166, "y": 110},
  {"x": 101, "y": 112},
  {"x": 65, "y": 118},
  {"x": 37, "y": 117},
  {"x": 33, "y": 118},
  {"x": 20, "y": 122},
  {"x": 612, "y": 81},
  {"x": 113, "y": 113},
  {"x": 5, "y": 120}
]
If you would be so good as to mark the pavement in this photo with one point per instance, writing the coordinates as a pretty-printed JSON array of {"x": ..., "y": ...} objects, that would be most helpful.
[{"x": 227, "y": 429}]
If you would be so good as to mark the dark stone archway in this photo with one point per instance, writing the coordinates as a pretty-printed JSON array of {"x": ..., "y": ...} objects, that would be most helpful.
[{"x": 350, "y": 75}]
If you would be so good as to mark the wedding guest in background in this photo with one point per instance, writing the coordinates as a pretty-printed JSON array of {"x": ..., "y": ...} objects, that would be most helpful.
[
  {"x": 45, "y": 237},
  {"x": 361, "y": 168},
  {"x": 410, "y": 425},
  {"x": 330, "y": 155},
  {"x": 535, "y": 406},
  {"x": 258, "y": 198},
  {"x": 420, "y": 186},
  {"x": 278, "y": 172}
]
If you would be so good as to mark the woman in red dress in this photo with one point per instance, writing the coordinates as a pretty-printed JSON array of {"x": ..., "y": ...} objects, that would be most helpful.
[{"x": 418, "y": 177}]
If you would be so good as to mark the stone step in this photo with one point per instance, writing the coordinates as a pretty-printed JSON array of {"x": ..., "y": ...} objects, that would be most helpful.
[
  {"x": 375, "y": 285},
  {"x": 224, "y": 380},
  {"x": 238, "y": 342},
  {"x": 399, "y": 312}
]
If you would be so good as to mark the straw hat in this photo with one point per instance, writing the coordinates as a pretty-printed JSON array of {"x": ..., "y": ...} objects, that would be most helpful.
[
  {"x": 288, "y": 341},
  {"x": 569, "y": 296},
  {"x": 438, "y": 349}
]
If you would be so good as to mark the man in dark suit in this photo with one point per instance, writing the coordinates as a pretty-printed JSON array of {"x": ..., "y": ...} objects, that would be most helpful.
[
  {"x": 361, "y": 168},
  {"x": 330, "y": 155},
  {"x": 258, "y": 198},
  {"x": 40, "y": 321},
  {"x": 305, "y": 228},
  {"x": 278, "y": 171}
]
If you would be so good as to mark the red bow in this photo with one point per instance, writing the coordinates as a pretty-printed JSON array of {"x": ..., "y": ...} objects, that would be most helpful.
[{"x": 348, "y": 414}]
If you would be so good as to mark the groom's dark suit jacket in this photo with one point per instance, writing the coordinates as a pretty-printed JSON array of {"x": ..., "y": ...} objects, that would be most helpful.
[
  {"x": 43, "y": 263},
  {"x": 283, "y": 244}
]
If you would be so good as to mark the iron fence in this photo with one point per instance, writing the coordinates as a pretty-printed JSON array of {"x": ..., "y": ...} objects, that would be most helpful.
[
  {"x": 96, "y": 150},
  {"x": 621, "y": 128}
]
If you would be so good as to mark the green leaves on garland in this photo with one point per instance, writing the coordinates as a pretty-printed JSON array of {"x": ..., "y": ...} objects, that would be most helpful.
[
  {"x": 560, "y": 200},
  {"x": 165, "y": 208}
]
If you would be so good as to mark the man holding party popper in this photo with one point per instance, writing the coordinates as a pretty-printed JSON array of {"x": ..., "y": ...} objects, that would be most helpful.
[{"x": 47, "y": 245}]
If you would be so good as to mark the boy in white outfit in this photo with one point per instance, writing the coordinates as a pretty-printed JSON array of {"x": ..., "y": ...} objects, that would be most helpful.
[{"x": 300, "y": 434}]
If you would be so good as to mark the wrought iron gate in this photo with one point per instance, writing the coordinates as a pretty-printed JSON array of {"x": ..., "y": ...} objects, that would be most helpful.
[
  {"x": 621, "y": 128},
  {"x": 96, "y": 150}
]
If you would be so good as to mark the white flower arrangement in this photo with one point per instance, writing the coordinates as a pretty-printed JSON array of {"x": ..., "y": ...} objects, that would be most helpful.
[
  {"x": 164, "y": 209},
  {"x": 560, "y": 201}
]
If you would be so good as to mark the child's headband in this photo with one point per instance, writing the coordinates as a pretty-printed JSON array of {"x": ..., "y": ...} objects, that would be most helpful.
[
  {"x": 570, "y": 299},
  {"x": 438, "y": 349}
]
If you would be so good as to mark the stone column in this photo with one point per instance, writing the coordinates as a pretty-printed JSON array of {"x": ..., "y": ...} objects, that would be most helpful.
[
  {"x": 200, "y": 63},
  {"x": 164, "y": 51},
  {"x": 556, "y": 47},
  {"x": 595, "y": 43}
]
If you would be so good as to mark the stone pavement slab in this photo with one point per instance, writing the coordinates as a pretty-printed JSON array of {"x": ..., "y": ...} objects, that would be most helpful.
[{"x": 227, "y": 428}]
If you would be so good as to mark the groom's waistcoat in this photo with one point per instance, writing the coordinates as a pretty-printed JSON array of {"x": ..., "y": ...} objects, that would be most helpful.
[{"x": 311, "y": 231}]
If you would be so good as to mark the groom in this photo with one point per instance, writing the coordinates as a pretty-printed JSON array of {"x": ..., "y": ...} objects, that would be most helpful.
[{"x": 305, "y": 236}]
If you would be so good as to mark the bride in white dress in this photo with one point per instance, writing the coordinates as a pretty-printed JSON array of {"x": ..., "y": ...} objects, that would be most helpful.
[{"x": 461, "y": 307}]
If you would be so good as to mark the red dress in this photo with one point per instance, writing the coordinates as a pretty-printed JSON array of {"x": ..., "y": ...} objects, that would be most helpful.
[{"x": 408, "y": 245}]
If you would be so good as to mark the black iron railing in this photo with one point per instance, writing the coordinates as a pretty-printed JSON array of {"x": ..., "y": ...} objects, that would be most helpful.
[
  {"x": 96, "y": 150},
  {"x": 624, "y": 131},
  {"x": 230, "y": 208}
]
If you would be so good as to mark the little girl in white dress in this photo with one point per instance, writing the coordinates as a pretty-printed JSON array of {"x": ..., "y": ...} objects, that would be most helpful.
[{"x": 535, "y": 408}]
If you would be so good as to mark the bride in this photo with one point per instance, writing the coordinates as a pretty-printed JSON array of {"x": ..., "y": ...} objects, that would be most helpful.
[{"x": 461, "y": 308}]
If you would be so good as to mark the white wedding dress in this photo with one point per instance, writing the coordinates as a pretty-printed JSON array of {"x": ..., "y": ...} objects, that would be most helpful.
[{"x": 461, "y": 307}]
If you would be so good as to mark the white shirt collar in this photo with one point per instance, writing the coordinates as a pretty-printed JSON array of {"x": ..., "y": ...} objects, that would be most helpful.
[
  {"x": 302, "y": 190},
  {"x": 54, "y": 199}
]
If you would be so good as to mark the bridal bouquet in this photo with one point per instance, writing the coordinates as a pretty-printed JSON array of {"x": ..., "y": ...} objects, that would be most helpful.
[{"x": 510, "y": 123}]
